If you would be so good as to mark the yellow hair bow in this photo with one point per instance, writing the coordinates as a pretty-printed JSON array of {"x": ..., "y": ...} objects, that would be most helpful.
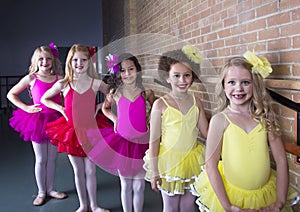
[
  {"x": 261, "y": 65},
  {"x": 192, "y": 54}
]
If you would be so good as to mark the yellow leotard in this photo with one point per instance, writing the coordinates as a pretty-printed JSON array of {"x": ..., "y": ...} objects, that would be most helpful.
[
  {"x": 180, "y": 154},
  {"x": 245, "y": 170}
]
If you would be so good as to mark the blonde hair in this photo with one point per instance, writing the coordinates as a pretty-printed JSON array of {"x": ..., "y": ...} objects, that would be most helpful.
[
  {"x": 56, "y": 65},
  {"x": 69, "y": 70},
  {"x": 260, "y": 103}
]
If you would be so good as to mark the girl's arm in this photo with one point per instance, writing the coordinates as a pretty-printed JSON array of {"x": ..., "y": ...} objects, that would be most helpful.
[
  {"x": 54, "y": 90},
  {"x": 213, "y": 151},
  {"x": 282, "y": 178},
  {"x": 103, "y": 87},
  {"x": 202, "y": 121},
  {"x": 154, "y": 143},
  {"x": 13, "y": 93},
  {"x": 150, "y": 97},
  {"x": 106, "y": 108}
]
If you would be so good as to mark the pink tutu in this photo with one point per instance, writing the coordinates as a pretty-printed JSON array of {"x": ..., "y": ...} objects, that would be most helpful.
[
  {"x": 31, "y": 126},
  {"x": 116, "y": 154}
]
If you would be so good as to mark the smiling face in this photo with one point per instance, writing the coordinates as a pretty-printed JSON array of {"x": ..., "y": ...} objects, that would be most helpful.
[
  {"x": 128, "y": 72},
  {"x": 44, "y": 61},
  {"x": 79, "y": 63},
  {"x": 180, "y": 78},
  {"x": 238, "y": 86}
]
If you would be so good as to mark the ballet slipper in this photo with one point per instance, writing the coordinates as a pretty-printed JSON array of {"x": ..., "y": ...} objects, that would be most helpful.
[
  {"x": 100, "y": 210},
  {"x": 57, "y": 195},
  {"x": 39, "y": 200}
]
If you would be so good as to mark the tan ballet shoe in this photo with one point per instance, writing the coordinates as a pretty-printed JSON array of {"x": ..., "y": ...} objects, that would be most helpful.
[
  {"x": 39, "y": 200},
  {"x": 57, "y": 195}
]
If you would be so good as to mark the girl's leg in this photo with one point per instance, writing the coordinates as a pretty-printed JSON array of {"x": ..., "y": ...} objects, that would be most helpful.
[
  {"x": 187, "y": 202},
  {"x": 91, "y": 183},
  {"x": 126, "y": 193},
  {"x": 171, "y": 203},
  {"x": 40, "y": 152},
  {"x": 80, "y": 182},
  {"x": 138, "y": 194},
  {"x": 50, "y": 170},
  {"x": 52, "y": 152}
]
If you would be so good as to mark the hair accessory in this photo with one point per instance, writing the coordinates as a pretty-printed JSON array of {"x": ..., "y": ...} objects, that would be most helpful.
[
  {"x": 112, "y": 63},
  {"x": 54, "y": 50},
  {"x": 192, "y": 54},
  {"x": 261, "y": 65},
  {"x": 92, "y": 50}
]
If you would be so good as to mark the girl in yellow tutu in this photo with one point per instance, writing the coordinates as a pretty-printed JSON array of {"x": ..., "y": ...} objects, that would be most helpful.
[
  {"x": 175, "y": 155},
  {"x": 241, "y": 134}
]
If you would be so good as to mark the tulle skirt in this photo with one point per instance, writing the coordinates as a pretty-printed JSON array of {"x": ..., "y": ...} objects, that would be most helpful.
[
  {"x": 68, "y": 138},
  {"x": 253, "y": 199},
  {"x": 116, "y": 154},
  {"x": 32, "y": 126},
  {"x": 178, "y": 170}
]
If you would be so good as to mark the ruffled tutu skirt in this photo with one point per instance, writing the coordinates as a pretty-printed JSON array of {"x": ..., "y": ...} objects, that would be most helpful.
[
  {"x": 32, "y": 126},
  {"x": 253, "y": 199},
  {"x": 68, "y": 138},
  {"x": 178, "y": 170},
  {"x": 116, "y": 154}
]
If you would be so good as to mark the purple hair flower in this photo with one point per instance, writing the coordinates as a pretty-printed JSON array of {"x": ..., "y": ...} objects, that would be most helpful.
[
  {"x": 112, "y": 63},
  {"x": 54, "y": 50}
]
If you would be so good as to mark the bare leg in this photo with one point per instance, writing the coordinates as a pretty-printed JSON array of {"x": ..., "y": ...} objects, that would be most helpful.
[{"x": 171, "y": 203}]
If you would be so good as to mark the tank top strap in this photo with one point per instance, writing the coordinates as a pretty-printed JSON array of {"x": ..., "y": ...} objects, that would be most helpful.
[
  {"x": 34, "y": 75},
  {"x": 92, "y": 83},
  {"x": 162, "y": 98},
  {"x": 227, "y": 118},
  {"x": 56, "y": 77}
]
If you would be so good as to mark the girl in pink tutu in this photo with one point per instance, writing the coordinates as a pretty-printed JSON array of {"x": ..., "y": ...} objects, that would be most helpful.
[
  {"x": 30, "y": 119},
  {"x": 122, "y": 147},
  {"x": 69, "y": 133}
]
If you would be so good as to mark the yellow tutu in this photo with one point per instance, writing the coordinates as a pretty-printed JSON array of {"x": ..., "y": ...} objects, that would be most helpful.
[
  {"x": 178, "y": 170},
  {"x": 253, "y": 199}
]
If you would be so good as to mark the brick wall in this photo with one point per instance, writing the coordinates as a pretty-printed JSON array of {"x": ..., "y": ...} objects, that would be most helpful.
[{"x": 221, "y": 29}]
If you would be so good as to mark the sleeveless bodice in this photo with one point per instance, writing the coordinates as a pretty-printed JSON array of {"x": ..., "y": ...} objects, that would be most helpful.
[
  {"x": 245, "y": 156},
  {"x": 80, "y": 108},
  {"x": 37, "y": 91},
  {"x": 131, "y": 117},
  {"x": 179, "y": 131}
]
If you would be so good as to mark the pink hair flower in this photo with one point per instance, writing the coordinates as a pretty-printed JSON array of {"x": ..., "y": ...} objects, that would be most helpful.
[
  {"x": 112, "y": 63},
  {"x": 54, "y": 50}
]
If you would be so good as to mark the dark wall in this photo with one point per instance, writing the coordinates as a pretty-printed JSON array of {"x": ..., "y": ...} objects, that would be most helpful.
[{"x": 28, "y": 24}]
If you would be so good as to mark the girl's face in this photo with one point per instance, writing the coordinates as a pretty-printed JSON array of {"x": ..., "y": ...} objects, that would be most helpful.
[
  {"x": 180, "y": 78},
  {"x": 45, "y": 62},
  {"x": 238, "y": 86},
  {"x": 128, "y": 72},
  {"x": 79, "y": 62}
]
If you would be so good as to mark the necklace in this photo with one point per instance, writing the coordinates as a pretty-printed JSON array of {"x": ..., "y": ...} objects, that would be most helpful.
[
  {"x": 237, "y": 111},
  {"x": 178, "y": 97}
]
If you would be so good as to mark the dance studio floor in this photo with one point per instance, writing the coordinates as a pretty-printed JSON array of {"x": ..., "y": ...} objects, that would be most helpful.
[{"x": 18, "y": 188}]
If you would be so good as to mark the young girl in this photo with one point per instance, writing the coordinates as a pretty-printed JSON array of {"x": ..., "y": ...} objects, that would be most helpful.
[
  {"x": 122, "y": 147},
  {"x": 175, "y": 155},
  {"x": 241, "y": 133},
  {"x": 30, "y": 120},
  {"x": 79, "y": 88}
]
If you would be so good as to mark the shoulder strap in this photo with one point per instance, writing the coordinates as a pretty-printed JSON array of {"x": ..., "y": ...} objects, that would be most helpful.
[
  {"x": 163, "y": 99},
  {"x": 92, "y": 83},
  {"x": 225, "y": 115}
]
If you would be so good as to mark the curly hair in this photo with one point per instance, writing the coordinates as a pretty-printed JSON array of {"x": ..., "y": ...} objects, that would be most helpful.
[
  {"x": 170, "y": 58},
  {"x": 260, "y": 103}
]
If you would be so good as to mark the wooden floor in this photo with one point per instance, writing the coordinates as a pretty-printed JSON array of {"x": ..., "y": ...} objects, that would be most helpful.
[{"x": 18, "y": 187}]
